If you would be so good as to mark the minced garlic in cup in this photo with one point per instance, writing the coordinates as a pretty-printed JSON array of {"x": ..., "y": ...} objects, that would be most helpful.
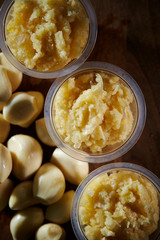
[
  {"x": 46, "y": 35},
  {"x": 92, "y": 111},
  {"x": 122, "y": 205}
]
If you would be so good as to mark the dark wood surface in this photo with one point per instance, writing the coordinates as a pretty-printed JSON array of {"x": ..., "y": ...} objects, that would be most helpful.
[{"x": 129, "y": 37}]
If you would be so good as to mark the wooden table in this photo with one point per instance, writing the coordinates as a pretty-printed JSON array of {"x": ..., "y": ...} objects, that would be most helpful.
[{"x": 129, "y": 37}]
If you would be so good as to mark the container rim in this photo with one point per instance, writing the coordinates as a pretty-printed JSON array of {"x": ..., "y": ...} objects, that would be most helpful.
[{"x": 72, "y": 66}]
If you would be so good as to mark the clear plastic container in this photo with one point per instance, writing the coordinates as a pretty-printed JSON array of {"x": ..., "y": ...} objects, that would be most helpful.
[
  {"x": 111, "y": 152},
  {"x": 70, "y": 67},
  {"x": 109, "y": 169}
]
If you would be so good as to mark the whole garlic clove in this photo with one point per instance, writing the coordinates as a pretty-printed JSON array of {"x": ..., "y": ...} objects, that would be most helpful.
[
  {"x": 20, "y": 108},
  {"x": 40, "y": 102},
  {"x": 22, "y": 196},
  {"x": 6, "y": 87},
  {"x": 14, "y": 75},
  {"x": 27, "y": 155},
  {"x": 5, "y": 190},
  {"x": 5, "y": 163},
  {"x": 50, "y": 231},
  {"x": 48, "y": 184},
  {"x": 74, "y": 171},
  {"x": 59, "y": 212},
  {"x": 23, "y": 108},
  {"x": 24, "y": 223},
  {"x": 4, "y": 129},
  {"x": 42, "y": 132}
]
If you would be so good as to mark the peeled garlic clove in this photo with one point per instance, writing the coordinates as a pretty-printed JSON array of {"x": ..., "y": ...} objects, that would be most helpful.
[
  {"x": 48, "y": 184},
  {"x": 40, "y": 102},
  {"x": 26, "y": 155},
  {"x": 15, "y": 78},
  {"x": 5, "y": 163},
  {"x": 59, "y": 212},
  {"x": 24, "y": 223},
  {"x": 23, "y": 108},
  {"x": 20, "y": 108},
  {"x": 42, "y": 132},
  {"x": 22, "y": 196},
  {"x": 50, "y": 231},
  {"x": 74, "y": 171},
  {"x": 4, "y": 129},
  {"x": 14, "y": 75},
  {"x": 5, "y": 190},
  {"x": 5, "y": 85}
]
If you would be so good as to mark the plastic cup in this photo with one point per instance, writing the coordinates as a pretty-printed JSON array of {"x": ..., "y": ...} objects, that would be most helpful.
[
  {"x": 109, "y": 169},
  {"x": 70, "y": 67},
  {"x": 112, "y": 152}
]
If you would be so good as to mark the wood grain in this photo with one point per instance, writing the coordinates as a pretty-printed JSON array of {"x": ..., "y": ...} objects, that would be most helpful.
[{"x": 129, "y": 37}]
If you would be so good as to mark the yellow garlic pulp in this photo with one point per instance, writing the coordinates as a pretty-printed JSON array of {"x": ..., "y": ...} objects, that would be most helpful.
[
  {"x": 93, "y": 111},
  {"x": 47, "y": 35}
]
